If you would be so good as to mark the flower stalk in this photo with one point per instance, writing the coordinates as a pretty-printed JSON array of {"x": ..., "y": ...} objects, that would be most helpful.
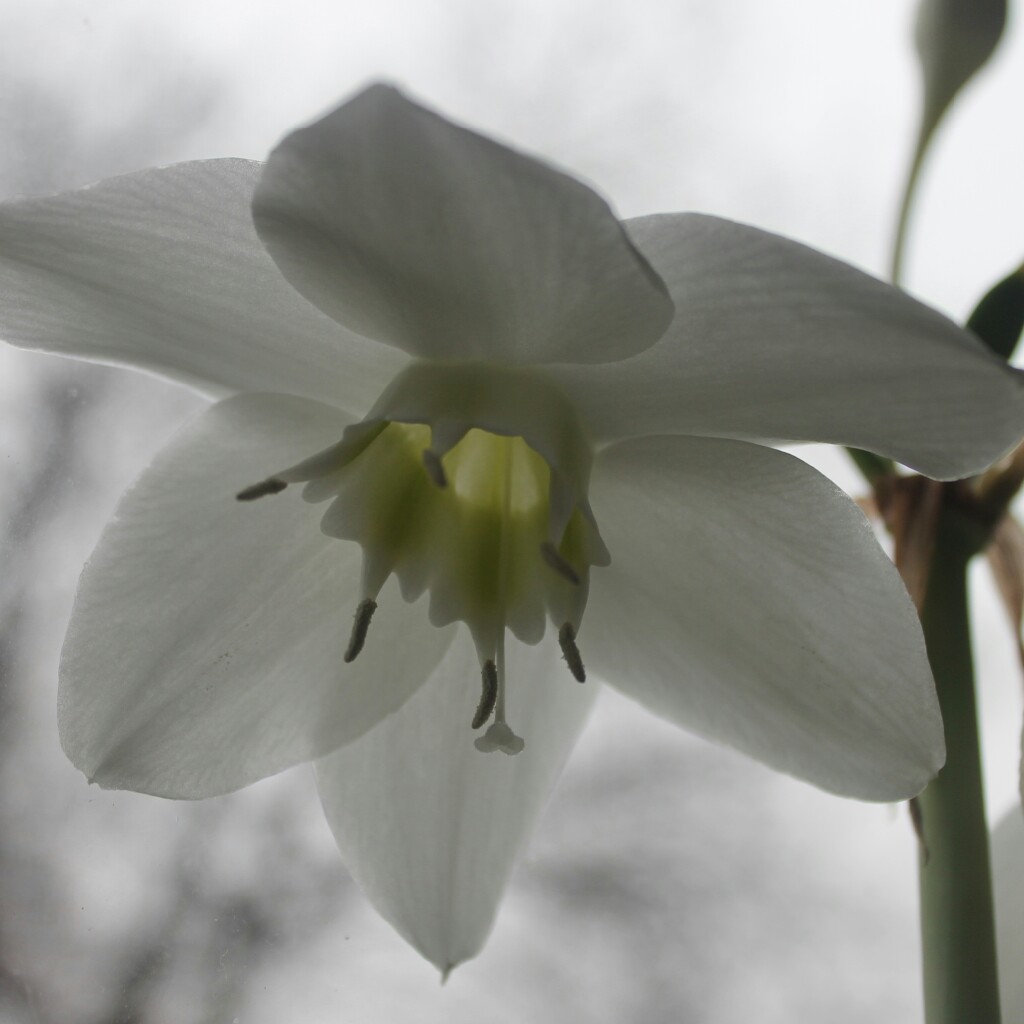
[{"x": 957, "y": 927}]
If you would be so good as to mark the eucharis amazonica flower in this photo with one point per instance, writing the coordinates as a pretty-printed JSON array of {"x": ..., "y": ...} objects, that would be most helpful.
[{"x": 532, "y": 444}]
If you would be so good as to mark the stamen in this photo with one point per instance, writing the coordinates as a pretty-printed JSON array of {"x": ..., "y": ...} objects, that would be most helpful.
[
  {"x": 488, "y": 696},
  {"x": 571, "y": 653},
  {"x": 555, "y": 561},
  {"x": 272, "y": 485},
  {"x": 360, "y": 627},
  {"x": 434, "y": 467}
]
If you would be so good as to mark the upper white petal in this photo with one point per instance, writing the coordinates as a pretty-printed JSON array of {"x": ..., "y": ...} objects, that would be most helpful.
[
  {"x": 162, "y": 270},
  {"x": 419, "y": 233},
  {"x": 748, "y": 600},
  {"x": 431, "y": 827},
  {"x": 773, "y": 340},
  {"x": 206, "y": 642}
]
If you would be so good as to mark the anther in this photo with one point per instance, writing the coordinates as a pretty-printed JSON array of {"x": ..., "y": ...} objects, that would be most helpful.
[
  {"x": 571, "y": 653},
  {"x": 434, "y": 467},
  {"x": 360, "y": 627},
  {"x": 272, "y": 485},
  {"x": 489, "y": 694},
  {"x": 556, "y": 561}
]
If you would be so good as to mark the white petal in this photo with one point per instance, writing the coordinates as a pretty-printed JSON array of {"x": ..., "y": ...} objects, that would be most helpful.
[
  {"x": 773, "y": 340},
  {"x": 206, "y": 643},
  {"x": 162, "y": 270},
  {"x": 411, "y": 230},
  {"x": 429, "y": 826},
  {"x": 748, "y": 600}
]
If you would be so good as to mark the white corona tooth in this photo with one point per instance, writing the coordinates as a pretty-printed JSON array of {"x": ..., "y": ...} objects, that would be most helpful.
[
  {"x": 554, "y": 559},
  {"x": 597, "y": 551},
  {"x": 434, "y": 467},
  {"x": 561, "y": 505},
  {"x": 317, "y": 465},
  {"x": 323, "y": 487},
  {"x": 445, "y": 435},
  {"x": 377, "y": 567},
  {"x": 356, "y": 438}
]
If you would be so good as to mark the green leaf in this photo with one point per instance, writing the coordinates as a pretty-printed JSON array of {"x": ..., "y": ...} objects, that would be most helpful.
[
  {"x": 954, "y": 39},
  {"x": 999, "y": 318}
]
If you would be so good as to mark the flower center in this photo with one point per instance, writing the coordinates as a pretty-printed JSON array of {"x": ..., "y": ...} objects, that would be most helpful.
[{"x": 468, "y": 483}]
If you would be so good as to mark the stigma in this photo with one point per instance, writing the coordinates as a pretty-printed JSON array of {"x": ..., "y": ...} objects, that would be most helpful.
[{"x": 468, "y": 483}]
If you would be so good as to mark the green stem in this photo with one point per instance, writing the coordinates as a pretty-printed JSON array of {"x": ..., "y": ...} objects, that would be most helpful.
[
  {"x": 958, "y": 937},
  {"x": 906, "y": 201}
]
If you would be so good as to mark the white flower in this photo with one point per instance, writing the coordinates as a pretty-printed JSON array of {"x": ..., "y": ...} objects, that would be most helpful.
[{"x": 474, "y": 361}]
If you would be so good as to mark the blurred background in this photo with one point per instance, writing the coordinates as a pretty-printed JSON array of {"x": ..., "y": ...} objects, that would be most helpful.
[{"x": 669, "y": 880}]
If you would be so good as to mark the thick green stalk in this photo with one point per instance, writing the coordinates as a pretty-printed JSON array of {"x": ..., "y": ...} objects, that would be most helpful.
[{"x": 958, "y": 937}]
